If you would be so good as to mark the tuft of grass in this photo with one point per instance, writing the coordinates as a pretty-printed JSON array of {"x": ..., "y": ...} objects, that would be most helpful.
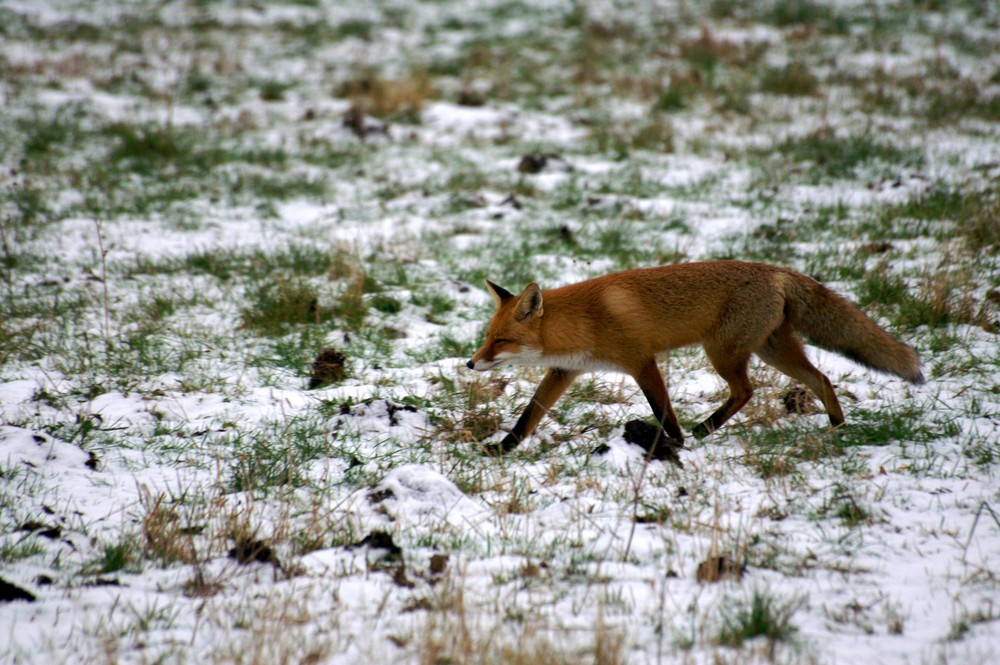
[
  {"x": 273, "y": 90},
  {"x": 14, "y": 551},
  {"x": 167, "y": 538},
  {"x": 777, "y": 451},
  {"x": 275, "y": 453},
  {"x": 941, "y": 213},
  {"x": 707, "y": 52},
  {"x": 845, "y": 506},
  {"x": 275, "y": 306},
  {"x": 795, "y": 80},
  {"x": 619, "y": 137},
  {"x": 672, "y": 99},
  {"x": 44, "y": 138},
  {"x": 965, "y": 620},
  {"x": 386, "y": 304},
  {"x": 437, "y": 304},
  {"x": 908, "y": 424},
  {"x": 218, "y": 263},
  {"x": 655, "y": 133},
  {"x": 356, "y": 28},
  {"x": 764, "y": 616},
  {"x": 471, "y": 426},
  {"x": 941, "y": 297},
  {"x": 882, "y": 287},
  {"x": 125, "y": 554},
  {"x": 473, "y": 410},
  {"x": 786, "y": 13},
  {"x": 278, "y": 303},
  {"x": 31, "y": 211},
  {"x": 983, "y": 451}
]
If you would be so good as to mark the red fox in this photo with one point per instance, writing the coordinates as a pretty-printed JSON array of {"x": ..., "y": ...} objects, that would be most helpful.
[{"x": 734, "y": 309}]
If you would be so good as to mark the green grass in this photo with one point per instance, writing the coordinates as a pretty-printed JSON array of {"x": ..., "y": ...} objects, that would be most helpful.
[
  {"x": 274, "y": 454},
  {"x": 276, "y": 306},
  {"x": 941, "y": 213},
  {"x": 197, "y": 250},
  {"x": 123, "y": 555},
  {"x": 795, "y": 79},
  {"x": 826, "y": 155},
  {"x": 764, "y": 616},
  {"x": 12, "y": 551},
  {"x": 939, "y": 299},
  {"x": 844, "y": 505},
  {"x": 907, "y": 423},
  {"x": 966, "y": 620},
  {"x": 653, "y": 132},
  {"x": 47, "y": 136},
  {"x": 789, "y": 450},
  {"x": 152, "y": 167}
]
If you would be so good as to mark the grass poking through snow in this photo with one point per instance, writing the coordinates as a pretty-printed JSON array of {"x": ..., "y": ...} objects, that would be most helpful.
[{"x": 242, "y": 252}]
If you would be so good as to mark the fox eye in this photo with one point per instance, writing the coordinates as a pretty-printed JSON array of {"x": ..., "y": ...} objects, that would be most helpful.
[{"x": 501, "y": 340}]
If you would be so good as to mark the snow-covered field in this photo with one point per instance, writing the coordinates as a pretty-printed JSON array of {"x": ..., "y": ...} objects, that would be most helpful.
[{"x": 197, "y": 198}]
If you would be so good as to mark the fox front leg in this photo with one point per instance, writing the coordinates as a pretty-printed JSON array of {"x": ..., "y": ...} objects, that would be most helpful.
[
  {"x": 553, "y": 385},
  {"x": 663, "y": 440},
  {"x": 655, "y": 390}
]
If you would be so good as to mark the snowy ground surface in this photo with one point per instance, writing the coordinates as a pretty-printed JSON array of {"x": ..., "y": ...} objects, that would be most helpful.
[{"x": 197, "y": 198}]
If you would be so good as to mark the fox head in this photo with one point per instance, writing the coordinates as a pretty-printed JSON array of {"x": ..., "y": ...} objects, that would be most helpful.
[{"x": 513, "y": 336}]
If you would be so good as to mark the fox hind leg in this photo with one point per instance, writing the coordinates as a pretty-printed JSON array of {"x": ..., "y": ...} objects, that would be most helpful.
[
  {"x": 733, "y": 369},
  {"x": 784, "y": 352}
]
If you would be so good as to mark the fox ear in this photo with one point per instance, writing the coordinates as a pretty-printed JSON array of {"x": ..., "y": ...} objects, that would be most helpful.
[
  {"x": 529, "y": 305},
  {"x": 500, "y": 294}
]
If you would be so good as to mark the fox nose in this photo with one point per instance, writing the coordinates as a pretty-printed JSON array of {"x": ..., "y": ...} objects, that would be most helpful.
[{"x": 470, "y": 365}]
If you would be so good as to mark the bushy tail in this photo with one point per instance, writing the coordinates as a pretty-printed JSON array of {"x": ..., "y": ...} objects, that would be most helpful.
[{"x": 831, "y": 322}]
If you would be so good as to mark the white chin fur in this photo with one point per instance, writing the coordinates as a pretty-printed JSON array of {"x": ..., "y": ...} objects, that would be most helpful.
[
  {"x": 579, "y": 362},
  {"x": 527, "y": 357}
]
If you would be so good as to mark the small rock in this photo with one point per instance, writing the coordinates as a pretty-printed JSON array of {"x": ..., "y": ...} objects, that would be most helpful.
[
  {"x": 327, "y": 368},
  {"x": 11, "y": 592},
  {"x": 439, "y": 564},
  {"x": 250, "y": 551},
  {"x": 536, "y": 162},
  {"x": 657, "y": 443},
  {"x": 381, "y": 540},
  {"x": 798, "y": 399}
]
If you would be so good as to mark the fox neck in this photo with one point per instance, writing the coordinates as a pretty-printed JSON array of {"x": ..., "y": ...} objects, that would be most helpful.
[
  {"x": 579, "y": 361},
  {"x": 565, "y": 340}
]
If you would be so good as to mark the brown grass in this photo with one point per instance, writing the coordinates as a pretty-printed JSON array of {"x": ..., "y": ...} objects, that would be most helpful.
[
  {"x": 708, "y": 49},
  {"x": 450, "y": 636},
  {"x": 166, "y": 537},
  {"x": 400, "y": 100}
]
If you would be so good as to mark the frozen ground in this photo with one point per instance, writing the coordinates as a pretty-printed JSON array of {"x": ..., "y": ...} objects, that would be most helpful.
[{"x": 197, "y": 198}]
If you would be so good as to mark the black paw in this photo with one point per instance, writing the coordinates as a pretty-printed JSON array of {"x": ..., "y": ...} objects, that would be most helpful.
[
  {"x": 507, "y": 444},
  {"x": 701, "y": 431},
  {"x": 658, "y": 444}
]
